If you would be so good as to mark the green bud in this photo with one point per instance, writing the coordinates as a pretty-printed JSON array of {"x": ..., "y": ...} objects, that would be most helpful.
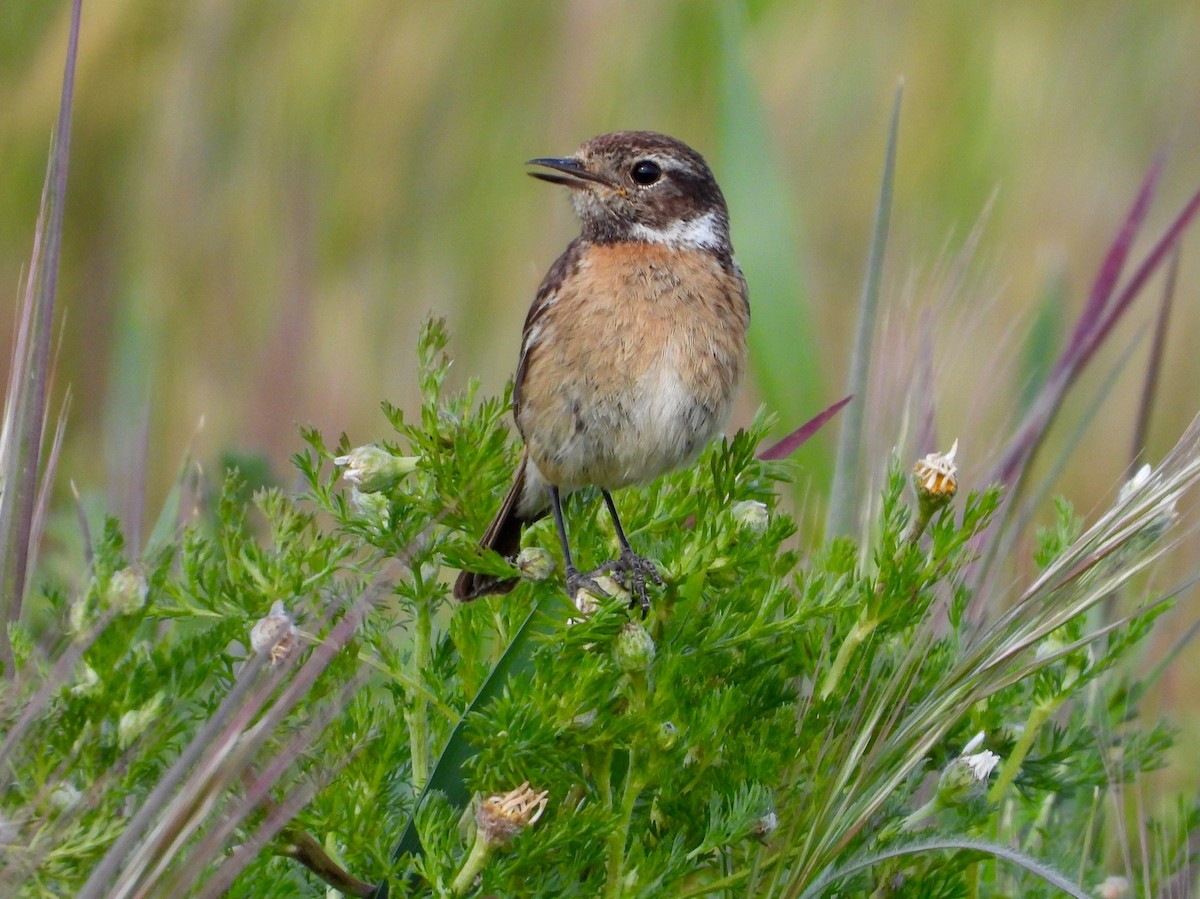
[
  {"x": 668, "y": 736},
  {"x": 535, "y": 563},
  {"x": 373, "y": 507},
  {"x": 634, "y": 648},
  {"x": 79, "y": 616},
  {"x": 371, "y": 468}
]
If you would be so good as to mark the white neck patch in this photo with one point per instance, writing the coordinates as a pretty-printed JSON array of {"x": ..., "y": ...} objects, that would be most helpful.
[{"x": 701, "y": 232}]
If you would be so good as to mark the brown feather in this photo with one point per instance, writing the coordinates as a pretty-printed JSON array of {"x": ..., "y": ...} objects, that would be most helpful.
[{"x": 504, "y": 536}]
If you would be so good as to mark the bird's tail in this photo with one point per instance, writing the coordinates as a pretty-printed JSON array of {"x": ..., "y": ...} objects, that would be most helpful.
[{"x": 504, "y": 536}]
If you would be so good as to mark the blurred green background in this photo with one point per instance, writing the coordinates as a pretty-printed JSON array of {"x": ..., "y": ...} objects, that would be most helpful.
[{"x": 266, "y": 198}]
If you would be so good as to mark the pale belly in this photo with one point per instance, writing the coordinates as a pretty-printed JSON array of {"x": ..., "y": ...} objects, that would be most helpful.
[{"x": 617, "y": 393}]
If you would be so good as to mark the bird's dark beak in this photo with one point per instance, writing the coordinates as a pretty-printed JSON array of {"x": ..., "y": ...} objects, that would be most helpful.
[{"x": 573, "y": 172}]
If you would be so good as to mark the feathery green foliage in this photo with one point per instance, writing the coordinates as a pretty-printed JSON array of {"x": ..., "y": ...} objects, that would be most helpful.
[{"x": 690, "y": 754}]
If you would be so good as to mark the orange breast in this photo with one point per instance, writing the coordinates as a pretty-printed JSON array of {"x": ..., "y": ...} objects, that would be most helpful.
[{"x": 634, "y": 365}]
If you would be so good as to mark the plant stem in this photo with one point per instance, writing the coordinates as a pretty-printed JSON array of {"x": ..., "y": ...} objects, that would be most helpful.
[
  {"x": 925, "y": 811},
  {"x": 617, "y": 839},
  {"x": 1037, "y": 718},
  {"x": 862, "y": 629},
  {"x": 476, "y": 859},
  {"x": 418, "y": 713}
]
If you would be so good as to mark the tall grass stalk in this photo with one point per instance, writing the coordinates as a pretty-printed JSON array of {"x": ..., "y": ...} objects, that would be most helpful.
[{"x": 25, "y": 401}]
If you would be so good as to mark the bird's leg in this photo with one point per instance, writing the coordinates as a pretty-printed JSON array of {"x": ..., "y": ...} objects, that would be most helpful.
[
  {"x": 630, "y": 563},
  {"x": 575, "y": 580}
]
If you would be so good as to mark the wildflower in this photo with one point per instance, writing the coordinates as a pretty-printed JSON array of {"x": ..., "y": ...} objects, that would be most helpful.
[
  {"x": 371, "y": 468},
  {"x": 633, "y": 649},
  {"x": 535, "y": 563},
  {"x": 751, "y": 515},
  {"x": 135, "y": 721},
  {"x": 498, "y": 819},
  {"x": 127, "y": 591},
  {"x": 275, "y": 634}
]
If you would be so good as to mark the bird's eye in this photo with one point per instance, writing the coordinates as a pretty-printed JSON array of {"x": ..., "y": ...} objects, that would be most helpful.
[{"x": 645, "y": 172}]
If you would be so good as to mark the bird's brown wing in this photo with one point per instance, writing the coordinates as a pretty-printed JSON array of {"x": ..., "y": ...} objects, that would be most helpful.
[{"x": 547, "y": 296}]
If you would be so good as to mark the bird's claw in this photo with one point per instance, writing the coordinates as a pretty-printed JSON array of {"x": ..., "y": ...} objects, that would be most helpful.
[{"x": 633, "y": 570}]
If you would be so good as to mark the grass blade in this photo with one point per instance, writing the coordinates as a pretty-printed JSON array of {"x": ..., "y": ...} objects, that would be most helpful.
[
  {"x": 784, "y": 353},
  {"x": 446, "y": 776},
  {"x": 1154, "y": 366},
  {"x": 843, "y": 500},
  {"x": 25, "y": 402},
  {"x": 802, "y": 434}
]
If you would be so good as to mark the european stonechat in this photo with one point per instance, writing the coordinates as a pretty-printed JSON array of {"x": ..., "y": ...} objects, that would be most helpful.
[{"x": 633, "y": 347}]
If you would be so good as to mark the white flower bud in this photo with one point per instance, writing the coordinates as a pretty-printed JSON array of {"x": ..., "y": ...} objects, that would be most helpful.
[
  {"x": 751, "y": 515},
  {"x": 371, "y": 468},
  {"x": 127, "y": 591}
]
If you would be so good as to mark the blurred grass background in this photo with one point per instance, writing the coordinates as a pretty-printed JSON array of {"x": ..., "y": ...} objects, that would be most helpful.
[{"x": 267, "y": 198}]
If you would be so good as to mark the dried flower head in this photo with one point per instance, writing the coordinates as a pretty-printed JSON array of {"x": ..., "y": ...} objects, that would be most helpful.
[
  {"x": 65, "y": 796},
  {"x": 503, "y": 815},
  {"x": 935, "y": 476},
  {"x": 275, "y": 634}
]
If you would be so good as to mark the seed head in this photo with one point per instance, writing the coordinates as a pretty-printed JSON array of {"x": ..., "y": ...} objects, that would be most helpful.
[
  {"x": 504, "y": 815},
  {"x": 275, "y": 634},
  {"x": 935, "y": 477}
]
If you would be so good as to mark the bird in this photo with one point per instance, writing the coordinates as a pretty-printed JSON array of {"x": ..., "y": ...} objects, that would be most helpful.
[{"x": 632, "y": 350}]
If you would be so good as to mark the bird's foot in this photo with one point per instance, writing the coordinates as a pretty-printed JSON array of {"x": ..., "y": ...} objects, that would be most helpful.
[
  {"x": 633, "y": 570},
  {"x": 577, "y": 582}
]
